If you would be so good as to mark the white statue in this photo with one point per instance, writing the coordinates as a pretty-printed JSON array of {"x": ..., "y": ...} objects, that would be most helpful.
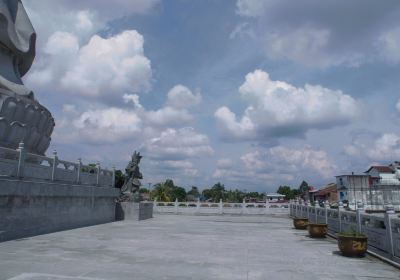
[
  {"x": 17, "y": 46},
  {"x": 22, "y": 118}
]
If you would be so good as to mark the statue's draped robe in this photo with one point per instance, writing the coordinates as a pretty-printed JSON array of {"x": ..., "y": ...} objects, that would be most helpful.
[{"x": 17, "y": 46}]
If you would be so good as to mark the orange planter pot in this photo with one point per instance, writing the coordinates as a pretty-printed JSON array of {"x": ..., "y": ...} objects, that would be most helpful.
[
  {"x": 317, "y": 230},
  {"x": 300, "y": 223},
  {"x": 353, "y": 246}
]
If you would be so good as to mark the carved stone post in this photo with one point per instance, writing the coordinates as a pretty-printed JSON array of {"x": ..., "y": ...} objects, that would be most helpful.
[
  {"x": 340, "y": 208},
  {"x": 113, "y": 177},
  {"x": 21, "y": 160},
  {"x": 54, "y": 167},
  {"x": 79, "y": 170},
  {"x": 390, "y": 213},
  {"x": 98, "y": 173},
  {"x": 176, "y": 206},
  {"x": 220, "y": 207}
]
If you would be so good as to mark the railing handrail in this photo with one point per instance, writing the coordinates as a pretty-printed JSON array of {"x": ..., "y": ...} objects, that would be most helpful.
[
  {"x": 21, "y": 160},
  {"x": 383, "y": 231}
]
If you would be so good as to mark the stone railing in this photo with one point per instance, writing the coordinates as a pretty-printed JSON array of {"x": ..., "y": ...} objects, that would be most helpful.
[
  {"x": 220, "y": 208},
  {"x": 383, "y": 230},
  {"x": 21, "y": 164}
]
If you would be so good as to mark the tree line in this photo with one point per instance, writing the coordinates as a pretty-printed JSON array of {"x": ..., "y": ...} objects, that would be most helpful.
[{"x": 168, "y": 191}]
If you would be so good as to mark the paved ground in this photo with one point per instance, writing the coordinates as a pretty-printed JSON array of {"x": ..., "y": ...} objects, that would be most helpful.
[{"x": 185, "y": 247}]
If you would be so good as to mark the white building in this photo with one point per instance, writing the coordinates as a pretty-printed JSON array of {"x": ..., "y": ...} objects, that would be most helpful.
[
  {"x": 384, "y": 175},
  {"x": 353, "y": 188}
]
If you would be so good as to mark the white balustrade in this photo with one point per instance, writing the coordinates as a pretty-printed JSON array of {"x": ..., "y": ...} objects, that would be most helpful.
[
  {"x": 383, "y": 230},
  {"x": 21, "y": 164},
  {"x": 220, "y": 208}
]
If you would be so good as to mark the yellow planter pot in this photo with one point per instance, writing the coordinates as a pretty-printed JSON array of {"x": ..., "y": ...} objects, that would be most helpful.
[
  {"x": 317, "y": 230},
  {"x": 300, "y": 223},
  {"x": 353, "y": 246}
]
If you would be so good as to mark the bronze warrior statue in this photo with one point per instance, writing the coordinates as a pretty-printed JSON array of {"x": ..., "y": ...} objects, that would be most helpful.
[{"x": 130, "y": 188}]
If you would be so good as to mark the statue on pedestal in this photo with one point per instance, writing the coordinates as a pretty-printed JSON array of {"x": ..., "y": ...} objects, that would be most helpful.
[
  {"x": 22, "y": 118},
  {"x": 130, "y": 188}
]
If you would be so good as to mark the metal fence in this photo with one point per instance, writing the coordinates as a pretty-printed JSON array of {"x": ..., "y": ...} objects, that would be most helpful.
[
  {"x": 21, "y": 164},
  {"x": 383, "y": 230},
  {"x": 220, "y": 208}
]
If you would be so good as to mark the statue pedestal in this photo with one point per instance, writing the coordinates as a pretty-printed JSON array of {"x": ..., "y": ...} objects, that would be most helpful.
[{"x": 133, "y": 211}]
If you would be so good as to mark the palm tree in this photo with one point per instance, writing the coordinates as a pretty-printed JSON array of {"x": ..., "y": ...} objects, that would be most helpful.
[{"x": 161, "y": 192}]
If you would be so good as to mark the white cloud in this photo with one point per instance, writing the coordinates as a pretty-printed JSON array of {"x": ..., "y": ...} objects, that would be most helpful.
[
  {"x": 175, "y": 112},
  {"x": 134, "y": 98},
  {"x": 106, "y": 125},
  {"x": 279, "y": 165},
  {"x": 398, "y": 105},
  {"x": 278, "y": 109},
  {"x": 180, "y": 97},
  {"x": 386, "y": 147},
  {"x": 61, "y": 43},
  {"x": 224, "y": 163},
  {"x": 183, "y": 167},
  {"x": 242, "y": 30},
  {"x": 389, "y": 45},
  {"x": 251, "y": 8},
  {"x": 83, "y": 18},
  {"x": 177, "y": 144},
  {"x": 110, "y": 65},
  {"x": 168, "y": 116},
  {"x": 100, "y": 124},
  {"x": 323, "y": 34},
  {"x": 102, "y": 67},
  {"x": 307, "y": 46}
]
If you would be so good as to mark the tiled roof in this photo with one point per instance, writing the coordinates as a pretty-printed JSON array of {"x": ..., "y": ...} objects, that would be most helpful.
[
  {"x": 329, "y": 189},
  {"x": 381, "y": 169}
]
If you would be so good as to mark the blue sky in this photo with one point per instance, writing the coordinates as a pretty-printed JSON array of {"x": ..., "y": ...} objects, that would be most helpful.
[{"x": 251, "y": 93}]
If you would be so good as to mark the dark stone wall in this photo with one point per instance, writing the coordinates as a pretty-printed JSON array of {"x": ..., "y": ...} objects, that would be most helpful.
[{"x": 29, "y": 208}]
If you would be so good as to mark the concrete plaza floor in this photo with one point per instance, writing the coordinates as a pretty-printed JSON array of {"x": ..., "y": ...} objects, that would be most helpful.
[{"x": 185, "y": 247}]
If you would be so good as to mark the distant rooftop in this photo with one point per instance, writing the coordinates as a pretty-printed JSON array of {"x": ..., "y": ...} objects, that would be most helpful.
[{"x": 381, "y": 169}]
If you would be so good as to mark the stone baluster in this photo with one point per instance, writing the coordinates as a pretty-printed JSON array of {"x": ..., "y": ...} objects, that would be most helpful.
[
  {"x": 54, "y": 167},
  {"x": 221, "y": 205},
  {"x": 79, "y": 170},
  {"x": 98, "y": 169},
  {"x": 340, "y": 209},
  {"x": 21, "y": 160},
  {"x": 113, "y": 177},
  {"x": 390, "y": 213},
  {"x": 176, "y": 206}
]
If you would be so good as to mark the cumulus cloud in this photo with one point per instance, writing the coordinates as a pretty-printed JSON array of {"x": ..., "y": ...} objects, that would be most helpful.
[
  {"x": 175, "y": 112},
  {"x": 168, "y": 116},
  {"x": 184, "y": 168},
  {"x": 251, "y": 8},
  {"x": 180, "y": 97},
  {"x": 82, "y": 18},
  {"x": 323, "y": 34},
  {"x": 308, "y": 46},
  {"x": 280, "y": 164},
  {"x": 383, "y": 148},
  {"x": 178, "y": 144},
  {"x": 278, "y": 109},
  {"x": 389, "y": 45},
  {"x": 102, "y": 67},
  {"x": 107, "y": 125},
  {"x": 101, "y": 124},
  {"x": 224, "y": 163}
]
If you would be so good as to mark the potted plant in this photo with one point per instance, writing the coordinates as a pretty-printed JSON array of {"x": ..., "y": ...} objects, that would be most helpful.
[
  {"x": 352, "y": 243},
  {"x": 317, "y": 230},
  {"x": 300, "y": 223}
]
